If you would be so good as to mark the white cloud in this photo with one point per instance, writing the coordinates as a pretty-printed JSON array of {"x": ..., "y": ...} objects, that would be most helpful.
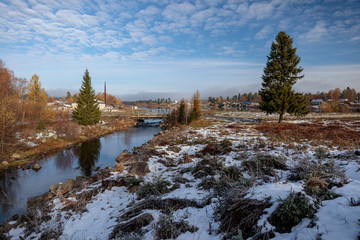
[
  {"x": 357, "y": 38},
  {"x": 264, "y": 32},
  {"x": 149, "y": 40},
  {"x": 178, "y": 12},
  {"x": 73, "y": 18},
  {"x": 149, "y": 11},
  {"x": 317, "y": 32}
]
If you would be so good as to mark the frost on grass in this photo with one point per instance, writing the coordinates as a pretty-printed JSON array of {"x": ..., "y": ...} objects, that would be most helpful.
[{"x": 220, "y": 180}]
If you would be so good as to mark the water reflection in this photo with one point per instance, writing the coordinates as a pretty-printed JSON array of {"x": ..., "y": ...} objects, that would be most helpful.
[
  {"x": 89, "y": 155},
  {"x": 64, "y": 159},
  {"x": 8, "y": 180},
  {"x": 17, "y": 185},
  {"x": 127, "y": 137}
]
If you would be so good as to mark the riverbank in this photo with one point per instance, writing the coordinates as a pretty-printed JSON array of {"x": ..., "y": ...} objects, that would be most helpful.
[
  {"x": 49, "y": 141},
  {"x": 200, "y": 182}
]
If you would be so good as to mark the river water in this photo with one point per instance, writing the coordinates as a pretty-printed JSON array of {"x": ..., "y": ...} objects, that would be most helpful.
[{"x": 17, "y": 185}]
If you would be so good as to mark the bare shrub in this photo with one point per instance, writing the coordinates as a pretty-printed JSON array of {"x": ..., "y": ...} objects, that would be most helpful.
[
  {"x": 238, "y": 213},
  {"x": 65, "y": 127}
]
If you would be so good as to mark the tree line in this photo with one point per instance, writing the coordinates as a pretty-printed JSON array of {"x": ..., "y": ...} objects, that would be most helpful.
[{"x": 185, "y": 113}]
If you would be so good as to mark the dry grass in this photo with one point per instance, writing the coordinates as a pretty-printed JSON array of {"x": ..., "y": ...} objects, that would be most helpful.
[
  {"x": 201, "y": 123},
  {"x": 335, "y": 132}
]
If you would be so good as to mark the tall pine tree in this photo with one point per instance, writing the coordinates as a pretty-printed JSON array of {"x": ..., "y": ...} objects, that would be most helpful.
[
  {"x": 87, "y": 111},
  {"x": 280, "y": 74}
]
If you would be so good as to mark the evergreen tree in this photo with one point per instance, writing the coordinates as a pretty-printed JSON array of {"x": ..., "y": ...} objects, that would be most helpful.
[
  {"x": 87, "y": 111},
  {"x": 182, "y": 112},
  {"x": 280, "y": 74},
  {"x": 195, "y": 113}
]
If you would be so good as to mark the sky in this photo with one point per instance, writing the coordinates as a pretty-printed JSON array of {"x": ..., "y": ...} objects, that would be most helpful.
[{"x": 146, "y": 49}]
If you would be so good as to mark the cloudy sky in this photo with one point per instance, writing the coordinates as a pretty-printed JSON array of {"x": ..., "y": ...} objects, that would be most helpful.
[{"x": 166, "y": 48}]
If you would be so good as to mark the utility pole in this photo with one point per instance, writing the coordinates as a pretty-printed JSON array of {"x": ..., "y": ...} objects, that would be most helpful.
[{"x": 105, "y": 93}]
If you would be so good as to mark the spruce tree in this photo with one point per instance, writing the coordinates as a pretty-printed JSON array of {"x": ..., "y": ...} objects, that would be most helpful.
[
  {"x": 87, "y": 111},
  {"x": 182, "y": 112},
  {"x": 280, "y": 74},
  {"x": 195, "y": 113}
]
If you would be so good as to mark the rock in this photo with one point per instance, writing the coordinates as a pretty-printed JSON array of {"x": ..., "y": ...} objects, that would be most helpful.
[
  {"x": 103, "y": 173},
  {"x": 137, "y": 150},
  {"x": 175, "y": 149},
  {"x": 125, "y": 154},
  {"x": 26, "y": 166},
  {"x": 357, "y": 152},
  {"x": 119, "y": 167},
  {"x": 139, "y": 168},
  {"x": 62, "y": 188},
  {"x": 186, "y": 159},
  {"x": 39, "y": 200},
  {"x": 81, "y": 182},
  {"x": 96, "y": 169},
  {"x": 16, "y": 156},
  {"x": 36, "y": 167},
  {"x": 5, "y": 163}
]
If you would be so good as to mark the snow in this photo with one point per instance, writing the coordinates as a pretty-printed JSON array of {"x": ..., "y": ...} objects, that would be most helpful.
[{"x": 334, "y": 219}]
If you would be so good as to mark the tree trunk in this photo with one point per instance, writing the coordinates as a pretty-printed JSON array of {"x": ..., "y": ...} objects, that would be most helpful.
[{"x": 280, "y": 117}]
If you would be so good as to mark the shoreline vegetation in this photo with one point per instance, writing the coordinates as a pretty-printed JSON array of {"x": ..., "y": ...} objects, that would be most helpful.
[
  {"x": 211, "y": 169},
  {"x": 52, "y": 144},
  {"x": 48, "y": 142}
]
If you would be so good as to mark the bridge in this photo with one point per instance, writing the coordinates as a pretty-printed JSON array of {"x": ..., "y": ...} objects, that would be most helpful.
[
  {"x": 144, "y": 116},
  {"x": 136, "y": 115}
]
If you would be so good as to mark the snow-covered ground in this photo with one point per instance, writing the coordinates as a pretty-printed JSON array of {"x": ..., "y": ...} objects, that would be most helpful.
[{"x": 334, "y": 218}]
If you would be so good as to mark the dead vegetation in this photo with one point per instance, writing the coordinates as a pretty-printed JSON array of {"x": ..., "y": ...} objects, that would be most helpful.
[
  {"x": 264, "y": 164},
  {"x": 318, "y": 132},
  {"x": 238, "y": 215},
  {"x": 168, "y": 228}
]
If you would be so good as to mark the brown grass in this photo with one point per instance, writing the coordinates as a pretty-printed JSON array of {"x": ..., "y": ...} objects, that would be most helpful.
[{"x": 335, "y": 132}]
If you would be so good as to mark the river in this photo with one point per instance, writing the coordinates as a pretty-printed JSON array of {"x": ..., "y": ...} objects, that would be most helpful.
[{"x": 17, "y": 185}]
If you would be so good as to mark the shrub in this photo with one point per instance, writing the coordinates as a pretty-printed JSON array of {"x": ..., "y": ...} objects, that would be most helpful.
[
  {"x": 207, "y": 167},
  {"x": 222, "y": 147},
  {"x": 265, "y": 164},
  {"x": 291, "y": 211},
  {"x": 237, "y": 213},
  {"x": 317, "y": 187},
  {"x": 41, "y": 125},
  {"x": 156, "y": 188},
  {"x": 321, "y": 153},
  {"x": 326, "y": 172},
  {"x": 168, "y": 228}
]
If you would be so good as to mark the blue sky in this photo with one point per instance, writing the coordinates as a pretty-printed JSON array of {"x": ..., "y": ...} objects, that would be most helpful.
[{"x": 152, "y": 48}]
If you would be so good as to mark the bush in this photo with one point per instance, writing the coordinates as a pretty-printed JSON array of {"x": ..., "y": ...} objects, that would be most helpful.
[
  {"x": 41, "y": 125},
  {"x": 237, "y": 213},
  {"x": 291, "y": 211},
  {"x": 317, "y": 187},
  {"x": 265, "y": 164},
  {"x": 168, "y": 228},
  {"x": 222, "y": 147},
  {"x": 66, "y": 128},
  {"x": 149, "y": 189}
]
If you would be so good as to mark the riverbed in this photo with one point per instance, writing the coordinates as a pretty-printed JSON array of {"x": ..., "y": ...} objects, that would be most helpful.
[{"x": 17, "y": 185}]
